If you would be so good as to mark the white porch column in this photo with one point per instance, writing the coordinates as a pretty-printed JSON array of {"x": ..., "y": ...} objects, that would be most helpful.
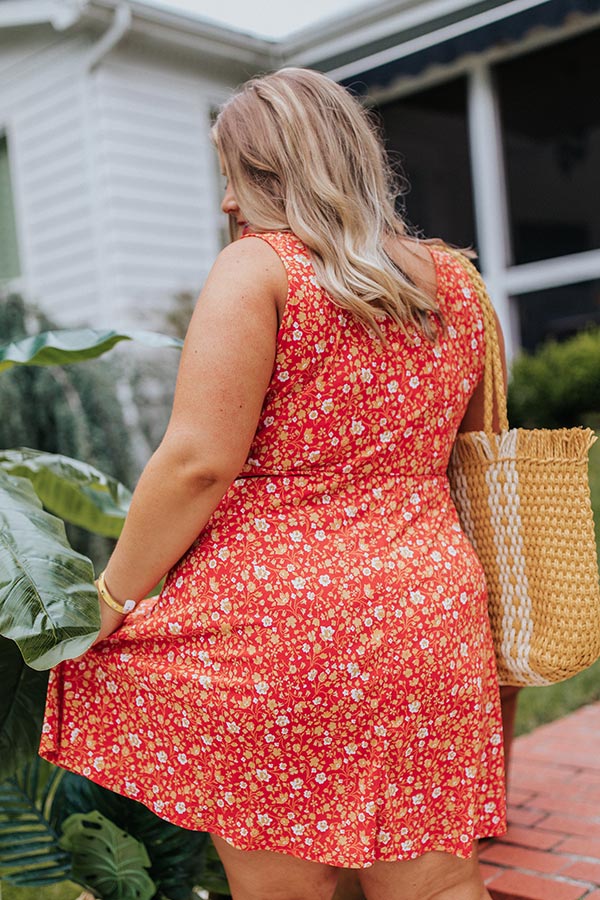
[{"x": 491, "y": 213}]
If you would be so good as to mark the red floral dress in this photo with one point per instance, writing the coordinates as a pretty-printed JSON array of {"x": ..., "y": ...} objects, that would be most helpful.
[{"x": 317, "y": 676}]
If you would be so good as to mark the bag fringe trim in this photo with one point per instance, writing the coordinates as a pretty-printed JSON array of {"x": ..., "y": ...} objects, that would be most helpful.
[{"x": 539, "y": 445}]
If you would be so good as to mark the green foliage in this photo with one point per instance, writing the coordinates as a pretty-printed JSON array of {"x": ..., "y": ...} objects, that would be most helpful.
[
  {"x": 54, "y": 348},
  {"x": 73, "y": 490},
  {"x": 111, "y": 844},
  {"x": 106, "y": 858},
  {"x": 62, "y": 890},
  {"x": 48, "y": 602},
  {"x": 177, "y": 318},
  {"x": 48, "y": 608},
  {"x": 21, "y": 709},
  {"x": 558, "y": 386},
  {"x": 73, "y": 410},
  {"x": 214, "y": 878},
  {"x": 178, "y": 857},
  {"x": 29, "y": 851},
  {"x": 539, "y": 705}
]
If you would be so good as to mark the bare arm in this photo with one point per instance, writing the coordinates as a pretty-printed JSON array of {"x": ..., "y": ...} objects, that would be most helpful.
[
  {"x": 226, "y": 366},
  {"x": 473, "y": 418}
]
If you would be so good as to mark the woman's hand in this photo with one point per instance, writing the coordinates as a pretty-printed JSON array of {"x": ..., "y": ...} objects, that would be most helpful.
[{"x": 109, "y": 621}]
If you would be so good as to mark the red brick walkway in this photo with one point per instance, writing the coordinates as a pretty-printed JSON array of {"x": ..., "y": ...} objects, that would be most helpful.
[{"x": 552, "y": 848}]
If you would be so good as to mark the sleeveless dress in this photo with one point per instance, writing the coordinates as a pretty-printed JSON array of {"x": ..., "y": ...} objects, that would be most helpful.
[{"x": 317, "y": 676}]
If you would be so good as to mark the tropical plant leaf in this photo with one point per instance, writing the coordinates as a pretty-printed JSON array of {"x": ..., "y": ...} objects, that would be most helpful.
[
  {"x": 52, "y": 348},
  {"x": 107, "y": 858},
  {"x": 213, "y": 875},
  {"x": 176, "y": 854},
  {"x": 71, "y": 489},
  {"x": 48, "y": 602},
  {"x": 22, "y": 701},
  {"x": 29, "y": 845}
]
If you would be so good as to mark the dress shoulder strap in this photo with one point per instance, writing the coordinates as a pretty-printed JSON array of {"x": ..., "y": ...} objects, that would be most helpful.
[{"x": 288, "y": 247}]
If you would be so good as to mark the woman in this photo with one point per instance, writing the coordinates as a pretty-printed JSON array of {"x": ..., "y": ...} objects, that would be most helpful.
[{"x": 315, "y": 685}]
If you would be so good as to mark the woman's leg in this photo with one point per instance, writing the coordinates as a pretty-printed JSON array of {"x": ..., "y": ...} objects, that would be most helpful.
[
  {"x": 264, "y": 875},
  {"x": 433, "y": 876},
  {"x": 348, "y": 886},
  {"x": 508, "y": 700}
]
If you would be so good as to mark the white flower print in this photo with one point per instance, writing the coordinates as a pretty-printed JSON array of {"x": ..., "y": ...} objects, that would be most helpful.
[{"x": 332, "y": 573}]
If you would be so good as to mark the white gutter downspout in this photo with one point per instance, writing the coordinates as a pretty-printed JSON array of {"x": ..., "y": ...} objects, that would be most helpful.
[{"x": 117, "y": 30}]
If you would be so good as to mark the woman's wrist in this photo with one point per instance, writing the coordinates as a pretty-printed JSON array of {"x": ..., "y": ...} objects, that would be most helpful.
[{"x": 121, "y": 607}]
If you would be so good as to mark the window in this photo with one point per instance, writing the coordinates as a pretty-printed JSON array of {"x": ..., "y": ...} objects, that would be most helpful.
[
  {"x": 551, "y": 124},
  {"x": 9, "y": 253},
  {"x": 558, "y": 312},
  {"x": 427, "y": 133}
]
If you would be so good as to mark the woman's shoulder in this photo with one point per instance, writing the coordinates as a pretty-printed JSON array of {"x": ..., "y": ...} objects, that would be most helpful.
[
  {"x": 251, "y": 260},
  {"x": 452, "y": 267}
]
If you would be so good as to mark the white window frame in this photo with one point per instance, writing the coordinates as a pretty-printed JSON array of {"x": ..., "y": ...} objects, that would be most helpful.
[{"x": 506, "y": 282}]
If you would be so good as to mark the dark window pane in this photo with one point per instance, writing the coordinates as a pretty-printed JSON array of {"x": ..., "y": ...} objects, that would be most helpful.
[
  {"x": 427, "y": 133},
  {"x": 551, "y": 125},
  {"x": 558, "y": 312}
]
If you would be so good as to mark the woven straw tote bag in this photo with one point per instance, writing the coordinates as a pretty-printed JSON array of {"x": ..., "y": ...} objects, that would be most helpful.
[{"x": 523, "y": 500}]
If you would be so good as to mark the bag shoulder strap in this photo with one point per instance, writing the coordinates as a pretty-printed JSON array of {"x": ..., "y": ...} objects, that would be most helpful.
[{"x": 493, "y": 380}]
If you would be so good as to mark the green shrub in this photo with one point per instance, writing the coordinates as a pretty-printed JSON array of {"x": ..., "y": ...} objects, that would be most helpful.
[
  {"x": 73, "y": 410},
  {"x": 558, "y": 386},
  {"x": 57, "y": 829}
]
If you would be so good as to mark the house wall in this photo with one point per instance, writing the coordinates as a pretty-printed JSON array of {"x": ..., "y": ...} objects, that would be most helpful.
[
  {"x": 114, "y": 178},
  {"x": 156, "y": 182},
  {"x": 41, "y": 112}
]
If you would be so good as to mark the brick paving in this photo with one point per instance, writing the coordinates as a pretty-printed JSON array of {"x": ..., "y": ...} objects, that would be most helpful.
[{"x": 552, "y": 848}]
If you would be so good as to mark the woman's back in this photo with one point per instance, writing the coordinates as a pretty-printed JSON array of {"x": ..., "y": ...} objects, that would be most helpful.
[{"x": 341, "y": 401}]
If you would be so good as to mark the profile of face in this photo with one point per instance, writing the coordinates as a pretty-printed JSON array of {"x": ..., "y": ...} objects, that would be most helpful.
[
  {"x": 298, "y": 151},
  {"x": 231, "y": 208}
]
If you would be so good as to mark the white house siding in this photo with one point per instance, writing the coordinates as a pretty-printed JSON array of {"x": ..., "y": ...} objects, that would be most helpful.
[
  {"x": 113, "y": 175},
  {"x": 41, "y": 109},
  {"x": 156, "y": 185}
]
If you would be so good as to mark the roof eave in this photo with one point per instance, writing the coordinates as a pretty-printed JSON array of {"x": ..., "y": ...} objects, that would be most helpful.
[
  {"x": 355, "y": 31},
  {"x": 214, "y": 41},
  {"x": 60, "y": 14},
  {"x": 179, "y": 23}
]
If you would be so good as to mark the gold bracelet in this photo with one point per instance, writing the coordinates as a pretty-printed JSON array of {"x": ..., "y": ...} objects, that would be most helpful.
[{"x": 108, "y": 598}]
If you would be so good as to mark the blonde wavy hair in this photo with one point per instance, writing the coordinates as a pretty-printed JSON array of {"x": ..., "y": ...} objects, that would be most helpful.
[{"x": 303, "y": 155}]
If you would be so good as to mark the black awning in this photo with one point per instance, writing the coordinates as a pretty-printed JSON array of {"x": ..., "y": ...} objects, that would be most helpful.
[{"x": 551, "y": 14}]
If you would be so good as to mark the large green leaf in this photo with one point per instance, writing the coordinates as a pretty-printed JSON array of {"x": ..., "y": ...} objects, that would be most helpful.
[
  {"x": 29, "y": 845},
  {"x": 22, "y": 701},
  {"x": 107, "y": 858},
  {"x": 73, "y": 490},
  {"x": 177, "y": 856},
  {"x": 53, "y": 348},
  {"x": 48, "y": 602}
]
